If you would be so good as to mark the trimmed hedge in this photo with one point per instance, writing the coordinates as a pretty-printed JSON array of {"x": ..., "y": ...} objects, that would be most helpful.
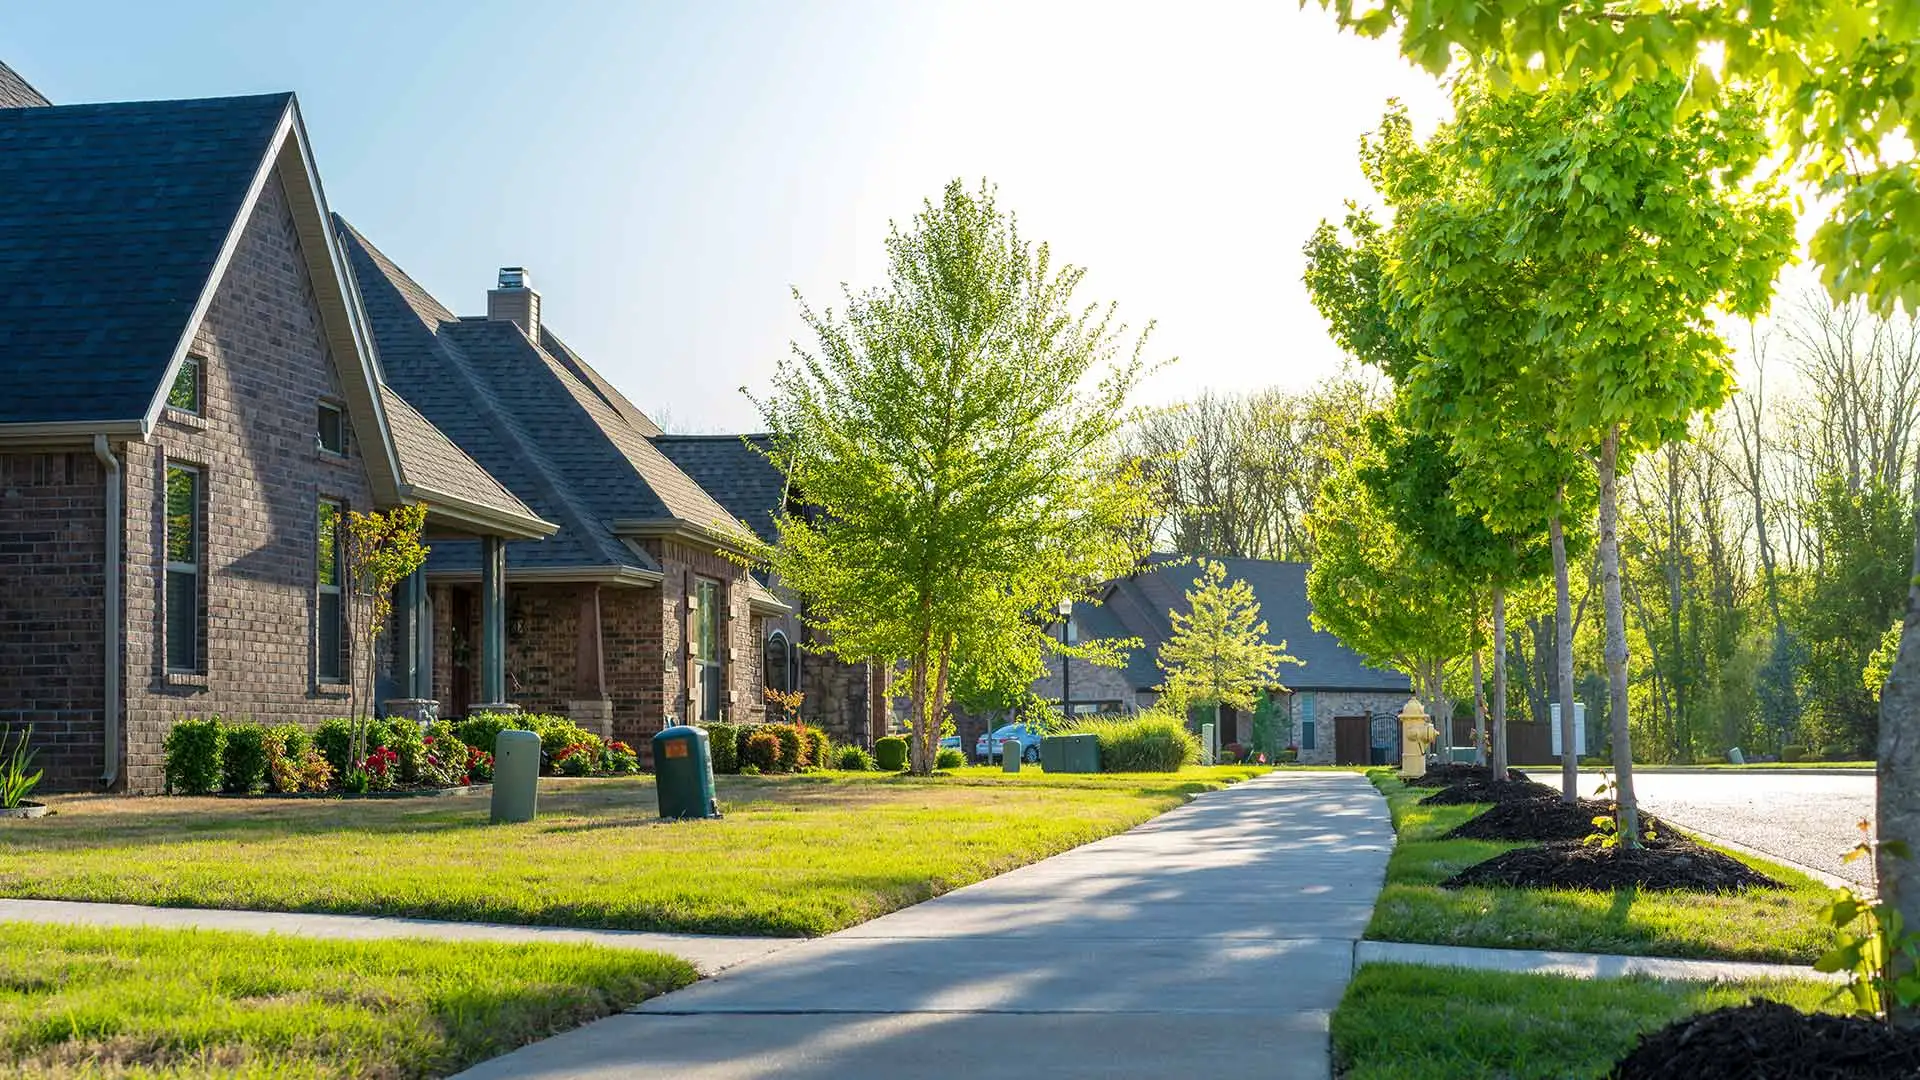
[
  {"x": 1150, "y": 742},
  {"x": 760, "y": 749},
  {"x": 793, "y": 748},
  {"x": 723, "y": 741},
  {"x": 949, "y": 758},
  {"x": 243, "y": 761},
  {"x": 852, "y": 759},
  {"x": 334, "y": 739},
  {"x": 890, "y": 753},
  {"x": 819, "y": 748},
  {"x": 195, "y": 756}
]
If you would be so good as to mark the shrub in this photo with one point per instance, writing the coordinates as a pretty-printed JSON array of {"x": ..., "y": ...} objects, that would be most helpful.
[
  {"x": 749, "y": 769},
  {"x": 18, "y": 777},
  {"x": 480, "y": 765},
  {"x": 445, "y": 758},
  {"x": 1150, "y": 742},
  {"x": 243, "y": 760},
  {"x": 480, "y": 729},
  {"x": 793, "y": 746},
  {"x": 293, "y": 764},
  {"x": 334, "y": 740},
  {"x": 195, "y": 750},
  {"x": 853, "y": 759},
  {"x": 382, "y": 770},
  {"x": 819, "y": 748},
  {"x": 761, "y": 750},
  {"x": 1793, "y": 752},
  {"x": 619, "y": 758},
  {"x": 949, "y": 757},
  {"x": 576, "y": 759},
  {"x": 557, "y": 733},
  {"x": 723, "y": 742},
  {"x": 890, "y": 753},
  {"x": 402, "y": 736}
]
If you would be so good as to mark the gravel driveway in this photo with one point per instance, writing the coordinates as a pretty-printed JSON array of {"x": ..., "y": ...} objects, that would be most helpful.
[{"x": 1811, "y": 820}]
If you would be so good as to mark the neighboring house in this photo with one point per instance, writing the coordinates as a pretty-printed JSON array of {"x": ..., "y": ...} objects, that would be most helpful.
[
  {"x": 193, "y": 404},
  {"x": 637, "y": 612},
  {"x": 1336, "y": 706}
]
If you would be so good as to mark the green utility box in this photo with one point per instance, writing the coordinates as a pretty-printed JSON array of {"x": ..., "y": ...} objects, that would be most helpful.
[
  {"x": 1070, "y": 753},
  {"x": 516, "y": 776},
  {"x": 683, "y": 773}
]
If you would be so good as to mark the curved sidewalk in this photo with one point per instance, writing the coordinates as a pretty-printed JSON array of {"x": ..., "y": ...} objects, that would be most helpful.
[{"x": 1212, "y": 941}]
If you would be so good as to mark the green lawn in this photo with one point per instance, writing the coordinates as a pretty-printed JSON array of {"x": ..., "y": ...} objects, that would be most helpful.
[
  {"x": 1777, "y": 925},
  {"x": 794, "y": 855},
  {"x": 1400, "y": 1022},
  {"x": 178, "y": 1003}
]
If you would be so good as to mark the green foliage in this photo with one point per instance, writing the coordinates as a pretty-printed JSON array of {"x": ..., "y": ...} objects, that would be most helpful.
[
  {"x": 16, "y": 759},
  {"x": 294, "y": 764},
  {"x": 818, "y": 746},
  {"x": 619, "y": 759},
  {"x": 403, "y": 737},
  {"x": 792, "y": 746},
  {"x": 1218, "y": 653},
  {"x": 444, "y": 756},
  {"x": 760, "y": 750},
  {"x": 482, "y": 729},
  {"x": 243, "y": 760},
  {"x": 957, "y": 432},
  {"x": 382, "y": 549},
  {"x": 1872, "y": 944},
  {"x": 1150, "y": 742},
  {"x": 949, "y": 758},
  {"x": 853, "y": 759},
  {"x": 1865, "y": 534},
  {"x": 1880, "y": 662},
  {"x": 576, "y": 759},
  {"x": 334, "y": 739},
  {"x": 723, "y": 743},
  {"x": 194, "y": 756},
  {"x": 890, "y": 753},
  {"x": 1793, "y": 752},
  {"x": 557, "y": 733}
]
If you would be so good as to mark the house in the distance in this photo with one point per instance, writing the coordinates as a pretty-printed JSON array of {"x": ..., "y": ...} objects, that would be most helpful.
[{"x": 1335, "y": 708}]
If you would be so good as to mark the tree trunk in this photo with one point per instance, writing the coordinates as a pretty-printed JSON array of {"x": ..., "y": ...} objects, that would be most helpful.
[
  {"x": 1479, "y": 713},
  {"x": 1682, "y": 726},
  {"x": 1628, "y": 816},
  {"x": 1500, "y": 681},
  {"x": 1898, "y": 807},
  {"x": 1563, "y": 659},
  {"x": 917, "y": 762}
]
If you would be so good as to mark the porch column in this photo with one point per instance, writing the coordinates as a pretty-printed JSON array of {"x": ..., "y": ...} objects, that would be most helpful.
[
  {"x": 493, "y": 619},
  {"x": 411, "y": 629}
]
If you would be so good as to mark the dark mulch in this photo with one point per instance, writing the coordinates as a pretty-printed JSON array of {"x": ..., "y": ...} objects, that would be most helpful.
[
  {"x": 1765, "y": 1040},
  {"x": 1451, "y": 774},
  {"x": 1545, "y": 818},
  {"x": 1666, "y": 862},
  {"x": 1490, "y": 791}
]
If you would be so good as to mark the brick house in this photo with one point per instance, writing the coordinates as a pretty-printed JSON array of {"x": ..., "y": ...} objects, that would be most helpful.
[
  {"x": 194, "y": 403},
  {"x": 638, "y": 611},
  {"x": 1335, "y": 708}
]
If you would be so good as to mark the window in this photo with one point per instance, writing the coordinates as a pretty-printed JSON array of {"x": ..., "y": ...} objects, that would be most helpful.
[
  {"x": 1306, "y": 721},
  {"x": 332, "y": 429},
  {"x": 185, "y": 394},
  {"x": 779, "y": 662},
  {"x": 184, "y": 534},
  {"x": 706, "y": 648},
  {"x": 329, "y": 639}
]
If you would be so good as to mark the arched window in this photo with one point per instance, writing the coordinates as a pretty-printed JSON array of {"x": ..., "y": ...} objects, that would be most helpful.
[{"x": 779, "y": 662}]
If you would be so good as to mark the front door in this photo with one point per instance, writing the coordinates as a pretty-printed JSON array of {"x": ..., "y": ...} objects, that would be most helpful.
[
  {"x": 461, "y": 662},
  {"x": 1352, "y": 739}
]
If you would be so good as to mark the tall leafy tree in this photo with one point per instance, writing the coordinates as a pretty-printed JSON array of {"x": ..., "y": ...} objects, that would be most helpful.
[
  {"x": 1630, "y": 222},
  {"x": 1218, "y": 652},
  {"x": 956, "y": 434}
]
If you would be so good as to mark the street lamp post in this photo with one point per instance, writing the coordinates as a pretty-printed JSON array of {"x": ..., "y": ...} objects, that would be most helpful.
[{"x": 1066, "y": 672}]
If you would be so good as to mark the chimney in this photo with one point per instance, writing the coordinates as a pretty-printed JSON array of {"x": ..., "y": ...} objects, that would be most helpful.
[{"x": 515, "y": 301}]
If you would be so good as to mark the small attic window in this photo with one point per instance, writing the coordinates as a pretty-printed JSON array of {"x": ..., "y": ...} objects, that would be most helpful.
[
  {"x": 332, "y": 431},
  {"x": 185, "y": 394}
]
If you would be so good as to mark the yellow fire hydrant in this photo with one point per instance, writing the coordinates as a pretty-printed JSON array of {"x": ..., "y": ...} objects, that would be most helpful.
[{"x": 1416, "y": 734}]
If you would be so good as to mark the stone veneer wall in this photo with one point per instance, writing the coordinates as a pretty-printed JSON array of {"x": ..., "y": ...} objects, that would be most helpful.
[
  {"x": 266, "y": 368},
  {"x": 52, "y": 610}
]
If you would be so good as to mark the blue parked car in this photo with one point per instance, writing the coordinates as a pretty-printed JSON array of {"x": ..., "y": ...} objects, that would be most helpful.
[{"x": 988, "y": 748}]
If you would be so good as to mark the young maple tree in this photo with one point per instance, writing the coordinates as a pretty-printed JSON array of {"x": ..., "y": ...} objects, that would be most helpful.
[
  {"x": 1218, "y": 653},
  {"x": 383, "y": 548},
  {"x": 955, "y": 435}
]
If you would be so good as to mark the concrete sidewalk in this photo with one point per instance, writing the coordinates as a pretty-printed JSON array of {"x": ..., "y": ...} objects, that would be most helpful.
[
  {"x": 710, "y": 954},
  {"x": 1212, "y": 941}
]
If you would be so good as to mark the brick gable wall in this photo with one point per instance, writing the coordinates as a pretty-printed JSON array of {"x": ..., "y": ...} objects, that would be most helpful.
[
  {"x": 266, "y": 368},
  {"x": 52, "y": 610}
]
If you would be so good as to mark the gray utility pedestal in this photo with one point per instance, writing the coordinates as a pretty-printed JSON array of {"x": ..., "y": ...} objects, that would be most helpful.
[
  {"x": 1010, "y": 752},
  {"x": 516, "y": 776},
  {"x": 1070, "y": 753}
]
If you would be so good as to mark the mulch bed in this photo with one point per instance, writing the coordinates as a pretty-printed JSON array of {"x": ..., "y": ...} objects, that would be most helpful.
[
  {"x": 1451, "y": 774},
  {"x": 1666, "y": 862},
  {"x": 1768, "y": 1041},
  {"x": 1543, "y": 819},
  {"x": 1490, "y": 791}
]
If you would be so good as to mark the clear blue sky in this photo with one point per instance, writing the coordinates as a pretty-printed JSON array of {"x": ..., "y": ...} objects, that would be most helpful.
[{"x": 670, "y": 172}]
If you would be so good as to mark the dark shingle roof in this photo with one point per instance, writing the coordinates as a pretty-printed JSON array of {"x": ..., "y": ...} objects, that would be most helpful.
[
  {"x": 1138, "y": 606},
  {"x": 432, "y": 462},
  {"x": 560, "y": 441},
  {"x": 736, "y": 469},
  {"x": 111, "y": 219},
  {"x": 16, "y": 92}
]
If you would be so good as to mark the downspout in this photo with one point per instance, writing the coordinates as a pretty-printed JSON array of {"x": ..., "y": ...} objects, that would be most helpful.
[{"x": 110, "y": 712}]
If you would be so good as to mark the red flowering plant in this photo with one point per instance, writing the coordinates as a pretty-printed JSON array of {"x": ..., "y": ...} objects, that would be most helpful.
[
  {"x": 619, "y": 758},
  {"x": 445, "y": 762},
  {"x": 479, "y": 767},
  {"x": 382, "y": 769},
  {"x": 576, "y": 759}
]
